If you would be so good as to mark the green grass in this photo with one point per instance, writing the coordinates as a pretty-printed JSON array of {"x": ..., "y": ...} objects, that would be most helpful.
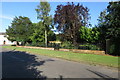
[{"x": 79, "y": 57}]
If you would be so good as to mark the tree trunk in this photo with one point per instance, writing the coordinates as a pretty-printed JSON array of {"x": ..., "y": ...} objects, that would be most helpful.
[
  {"x": 46, "y": 38},
  {"x": 75, "y": 37},
  {"x": 75, "y": 43},
  {"x": 107, "y": 46}
]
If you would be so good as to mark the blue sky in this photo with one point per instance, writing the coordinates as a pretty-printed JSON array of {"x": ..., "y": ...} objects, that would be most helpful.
[{"x": 27, "y": 9}]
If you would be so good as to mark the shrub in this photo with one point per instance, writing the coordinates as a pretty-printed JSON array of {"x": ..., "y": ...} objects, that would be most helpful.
[
  {"x": 13, "y": 45},
  {"x": 93, "y": 47},
  {"x": 89, "y": 47},
  {"x": 67, "y": 45},
  {"x": 38, "y": 44},
  {"x": 112, "y": 49}
]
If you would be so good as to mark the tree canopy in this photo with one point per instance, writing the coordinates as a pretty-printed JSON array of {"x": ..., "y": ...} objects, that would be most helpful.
[
  {"x": 43, "y": 10},
  {"x": 109, "y": 27},
  {"x": 20, "y": 30},
  {"x": 113, "y": 19},
  {"x": 38, "y": 36},
  {"x": 69, "y": 18},
  {"x": 89, "y": 35}
]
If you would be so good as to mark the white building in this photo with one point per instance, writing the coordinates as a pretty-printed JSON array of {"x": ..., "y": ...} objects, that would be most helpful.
[{"x": 4, "y": 40}]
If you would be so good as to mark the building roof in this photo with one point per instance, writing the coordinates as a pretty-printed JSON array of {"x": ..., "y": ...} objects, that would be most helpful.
[{"x": 2, "y": 33}]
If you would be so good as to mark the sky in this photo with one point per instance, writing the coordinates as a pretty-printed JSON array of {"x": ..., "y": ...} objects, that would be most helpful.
[{"x": 11, "y": 9}]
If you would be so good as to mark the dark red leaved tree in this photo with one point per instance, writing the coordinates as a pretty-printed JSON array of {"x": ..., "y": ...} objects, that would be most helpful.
[{"x": 69, "y": 18}]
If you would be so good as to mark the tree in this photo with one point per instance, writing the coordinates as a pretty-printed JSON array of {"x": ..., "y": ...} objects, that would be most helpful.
[
  {"x": 20, "y": 29},
  {"x": 85, "y": 34},
  {"x": 101, "y": 20},
  {"x": 95, "y": 35},
  {"x": 69, "y": 18},
  {"x": 89, "y": 35},
  {"x": 102, "y": 29},
  {"x": 113, "y": 20},
  {"x": 38, "y": 36},
  {"x": 113, "y": 23},
  {"x": 51, "y": 36},
  {"x": 109, "y": 27},
  {"x": 43, "y": 10}
]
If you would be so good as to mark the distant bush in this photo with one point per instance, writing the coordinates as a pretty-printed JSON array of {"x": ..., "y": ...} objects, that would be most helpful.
[
  {"x": 13, "y": 45},
  {"x": 67, "y": 45},
  {"x": 89, "y": 47},
  {"x": 93, "y": 47},
  {"x": 27, "y": 44},
  {"x": 114, "y": 48},
  {"x": 37, "y": 44}
]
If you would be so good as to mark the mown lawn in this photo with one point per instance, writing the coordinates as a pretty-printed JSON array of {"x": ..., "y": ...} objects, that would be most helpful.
[{"x": 79, "y": 57}]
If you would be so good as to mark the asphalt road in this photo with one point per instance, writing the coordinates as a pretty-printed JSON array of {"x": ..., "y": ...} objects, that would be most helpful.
[{"x": 16, "y": 64}]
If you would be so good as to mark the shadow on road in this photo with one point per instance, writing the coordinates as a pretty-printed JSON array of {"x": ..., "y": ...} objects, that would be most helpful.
[
  {"x": 16, "y": 64},
  {"x": 103, "y": 76}
]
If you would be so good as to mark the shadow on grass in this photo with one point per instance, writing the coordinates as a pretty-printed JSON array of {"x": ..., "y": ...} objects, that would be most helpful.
[{"x": 17, "y": 64}]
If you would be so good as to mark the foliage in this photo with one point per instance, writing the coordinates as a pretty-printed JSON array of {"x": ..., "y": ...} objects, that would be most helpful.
[
  {"x": 38, "y": 36},
  {"x": 58, "y": 37},
  {"x": 38, "y": 33},
  {"x": 112, "y": 48},
  {"x": 113, "y": 20},
  {"x": 67, "y": 45},
  {"x": 89, "y": 46},
  {"x": 102, "y": 29},
  {"x": 38, "y": 44},
  {"x": 43, "y": 10},
  {"x": 69, "y": 18},
  {"x": 51, "y": 36},
  {"x": 85, "y": 34},
  {"x": 89, "y": 35},
  {"x": 20, "y": 29},
  {"x": 115, "y": 47},
  {"x": 95, "y": 35},
  {"x": 109, "y": 26}
]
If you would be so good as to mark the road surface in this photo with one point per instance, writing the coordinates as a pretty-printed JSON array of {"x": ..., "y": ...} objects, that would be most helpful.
[{"x": 16, "y": 64}]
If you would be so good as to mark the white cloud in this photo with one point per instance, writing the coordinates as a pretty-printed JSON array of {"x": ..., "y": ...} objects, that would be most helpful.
[{"x": 6, "y": 17}]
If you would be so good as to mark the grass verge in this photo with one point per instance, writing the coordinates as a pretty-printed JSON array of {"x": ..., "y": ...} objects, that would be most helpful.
[{"x": 79, "y": 57}]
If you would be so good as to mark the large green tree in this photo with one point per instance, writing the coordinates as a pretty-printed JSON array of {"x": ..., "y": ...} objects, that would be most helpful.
[
  {"x": 69, "y": 18},
  {"x": 43, "y": 10},
  {"x": 20, "y": 29},
  {"x": 102, "y": 29},
  {"x": 38, "y": 36},
  {"x": 110, "y": 28},
  {"x": 113, "y": 23},
  {"x": 113, "y": 20}
]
